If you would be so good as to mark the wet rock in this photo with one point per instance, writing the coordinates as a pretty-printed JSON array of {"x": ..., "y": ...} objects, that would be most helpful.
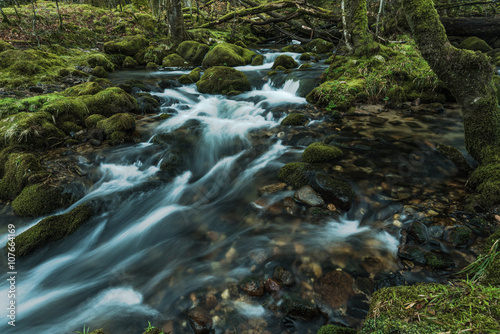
[
  {"x": 272, "y": 188},
  {"x": 388, "y": 280},
  {"x": 223, "y": 79},
  {"x": 296, "y": 174},
  {"x": 307, "y": 195},
  {"x": 335, "y": 287},
  {"x": 456, "y": 157},
  {"x": 438, "y": 260},
  {"x": 358, "y": 306},
  {"x": 418, "y": 232},
  {"x": 413, "y": 254},
  {"x": 365, "y": 285},
  {"x": 200, "y": 320},
  {"x": 299, "y": 309},
  {"x": 378, "y": 121},
  {"x": 435, "y": 231},
  {"x": 459, "y": 235},
  {"x": 334, "y": 191},
  {"x": 321, "y": 152},
  {"x": 253, "y": 286},
  {"x": 36, "y": 89},
  {"x": 283, "y": 276},
  {"x": 285, "y": 61},
  {"x": 272, "y": 286},
  {"x": 168, "y": 84},
  {"x": 295, "y": 119},
  {"x": 291, "y": 207},
  {"x": 95, "y": 142}
]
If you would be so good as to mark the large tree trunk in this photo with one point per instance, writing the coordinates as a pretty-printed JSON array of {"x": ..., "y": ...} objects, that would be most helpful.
[
  {"x": 358, "y": 39},
  {"x": 467, "y": 74},
  {"x": 175, "y": 21}
]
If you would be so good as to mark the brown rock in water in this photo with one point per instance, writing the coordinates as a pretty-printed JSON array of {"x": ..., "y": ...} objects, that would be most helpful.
[
  {"x": 253, "y": 287},
  {"x": 284, "y": 276},
  {"x": 272, "y": 188},
  {"x": 272, "y": 286},
  {"x": 200, "y": 321},
  {"x": 307, "y": 195},
  {"x": 335, "y": 287}
]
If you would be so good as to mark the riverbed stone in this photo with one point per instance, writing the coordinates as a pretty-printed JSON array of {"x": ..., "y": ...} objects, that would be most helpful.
[
  {"x": 272, "y": 286},
  {"x": 335, "y": 288},
  {"x": 200, "y": 320},
  {"x": 253, "y": 286},
  {"x": 418, "y": 232},
  {"x": 307, "y": 195},
  {"x": 321, "y": 152},
  {"x": 285, "y": 277},
  {"x": 298, "y": 308},
  {"x": 223, "y": 80},
  {"x": 438, "y": 260},
  {"x": 295, "y": 119},
  {"x": 285, "y": 61},
  {"x": 338, "y": 192},
  {"x": 459, "y": 235}
]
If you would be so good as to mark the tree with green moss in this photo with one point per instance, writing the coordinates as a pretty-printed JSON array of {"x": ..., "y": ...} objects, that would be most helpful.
[
  {"x": 175, "y": 21},
  {"x": 358, "y": 39}
]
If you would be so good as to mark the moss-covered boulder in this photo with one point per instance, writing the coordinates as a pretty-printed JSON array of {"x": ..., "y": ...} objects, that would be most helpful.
[
  {"x": 151, "y": 66},
  {"x": 475, "y": 44},
  {"x": 334, "y": 191},
  {"x": 86, "y": 88},
  {"x": 74, "y": 108},
  {"x": 227, "y": 54},
  {"x": 308, "y": 56},
  {"x": 118, "y": 122},
  {"x": 193, "y": 51},
  {"x": 434, "y": 308},
  {"x": 295, "y": 119},
  {"x": 297, "y": 174},
  {"x": 110, "y": 101},
  {"x": 129, "y": 62},
  {"x": 336, "y": 94},
  {"x": 333, "y": 329},
  {"x": 285, "y": 61},
  {"x": 294, "y": 48},
  {"x": 98, "y": 59},
  {"x": 192, "y": 77},
  {"x": 319, "y": 45},
  {"x": 34, "y": 129},
  {"x": 258, "y": 60},
  {"x": 221, "y": 79},
  {"x": 38, "y": 200},
  {"x": 155, "y": 54},
  {"x": 321, "y": 152},
  {"x": 174, "y": 60},
  {"x": 100, "y": 72},
  {"x": 51, "y": 229},
  {"x": 17, "y": 170},
  {"x": 92, "y": 120},
  {"x": 127, "y": 46}
]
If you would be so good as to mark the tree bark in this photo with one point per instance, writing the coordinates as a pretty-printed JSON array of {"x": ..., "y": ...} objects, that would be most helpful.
[
  {"x": 467, "y": 74},
  {"x": 175, "y": 21},
  {"x": 356, "y": 28}
]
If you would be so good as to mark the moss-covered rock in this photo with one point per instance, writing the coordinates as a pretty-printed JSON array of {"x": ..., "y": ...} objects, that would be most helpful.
[
  {"x": 332, "y": 329},
  {"x": 334, "y": 191},
  {"x": 34, "y": 129},
  {"x": 110, "y": 101},
  {"x": 147, "y": 103},
  {"x": 129, "y": 62},
  {"x": 192, "y": 77},
  {"x": 221, "y": 79},
  {"x": 127, "y": 46},
  {"x": 319, "y": 45},
  {"x": 92, "y": 120},
  {"x": 193, "y": 51},
  {"x": 156, "y": 54},
  {"x": 72, "y": 107},
  {"x": 321, "y": 152},
  {"x": 434, "y": 308},
  {"x": 336, "y": 94},
  {"x": 297, "y": 174},
  {"x": 99, "y": 72},
  {"x": 86, "y": 88},
  {"x": 5, "y": 46},
  {"x": 285, "y": 61},
  {"x": 475, "y": 44},
  {"x": 305, "y": 66},
  {"x": 69, "y": 127},
  {"x": 258, "y": 60},
  {"x": 295, "y": 119},
  {"x": 174, "y": 60},
  {"x": 294, "y": 48},
  {"x": 98, "y": 59},
  {"x": 118, "y": 122},
  {"x": 151, "y": 66},
  {"x": 17, "y": 170},
  {"x": 226, "y": 54},
  {"x": 308, "y": 56},
  {"x": 38, "y": 200},
  {"x": 51, "y": 229}
]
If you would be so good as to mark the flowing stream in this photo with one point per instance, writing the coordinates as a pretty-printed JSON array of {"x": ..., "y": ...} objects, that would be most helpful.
[{"x": 161, "y": 242}]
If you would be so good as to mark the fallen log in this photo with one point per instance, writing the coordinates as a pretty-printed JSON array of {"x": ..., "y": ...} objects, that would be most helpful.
[{"x": 473, "y": 26}]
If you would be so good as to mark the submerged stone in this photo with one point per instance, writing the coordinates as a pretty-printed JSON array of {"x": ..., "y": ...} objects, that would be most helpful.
[{"x": 334, "y": 191}]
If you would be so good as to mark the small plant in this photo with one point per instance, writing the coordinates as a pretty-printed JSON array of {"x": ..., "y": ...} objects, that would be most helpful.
[
  {"x": 86, "y": 330},
  {"x": 152, "y": 329},
  {"x": 479, "y": 267}
]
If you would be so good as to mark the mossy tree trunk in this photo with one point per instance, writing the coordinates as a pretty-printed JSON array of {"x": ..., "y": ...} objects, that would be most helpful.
[
  {"x": 175, "y": 21},
  {"x": 358, "y": 39},
  {"x": 467, "y": 74}
]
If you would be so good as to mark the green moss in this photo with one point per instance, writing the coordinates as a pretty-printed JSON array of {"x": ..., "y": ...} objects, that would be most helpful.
[
  {"x": 117, "y": 138},
  {"x": 192, "y": 77},
  {"x": 73, "y": 107},
  {"x": 475, "y": 44},
  {"x": 332, "y": 329},
  {"x": 285, "y": 61},
  {"x": 98, "y": 59},
  {"x": 336, "y": 94},
  {"x": 69, "y": 127},
  {"x": 434, "y": 308},
  {"x": 297, "y": 174},
  {"x": 34, "y": 129},
  {"x": 17, "y": 170},
  {"x": 151, "y": 66},
  {"x": 129, "y": 62},
  {"x": 437, "y": 260},
  {"x": 227, "y": 54},
  {"x": 51, "y": 229},
  {"x": 4, "y": 46},
  {"x": 193, "y": 51},
  {"x": 86, "y": 88},
  {"x": 99, "y": 72},
  {"x": 92, "y": 120},
  {"x": 321, "y": 152},
  {"x": 295, "y": 119},
  {"x": 174, "y": 60},
  {"x": 118, "y": 122},
  {"x": 127, "y": 46},
  {"x": 221, "y": 79},
  {"x": 38, "y": 200},
  {"x": 294, "y": 48},
  {"x": 31, "y": 104},
  {"x": 110, "y": 101},
  {"x": 258, "y": 60},
  {"x": 305, "y": 66},
  {"x": 271, "y": 73},
  {"x": 319, "y": 45}
]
